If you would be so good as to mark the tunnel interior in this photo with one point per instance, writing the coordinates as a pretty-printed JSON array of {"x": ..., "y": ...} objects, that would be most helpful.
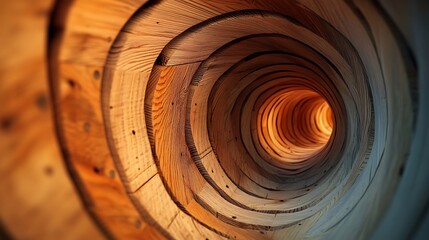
[{"x": 219, "y": 119}]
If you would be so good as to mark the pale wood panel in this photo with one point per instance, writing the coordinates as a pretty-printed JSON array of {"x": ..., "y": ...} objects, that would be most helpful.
[
  {"x": 78, "y": 60},
  {"x": 85, "y": 140},
  {"x": 168, "y": 215},
  {"x": 125, "y": 110},
  {"x": 389, "y": 83}
]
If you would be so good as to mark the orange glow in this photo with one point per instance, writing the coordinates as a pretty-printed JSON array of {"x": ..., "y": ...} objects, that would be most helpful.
[{"x": 294, "y": 124}]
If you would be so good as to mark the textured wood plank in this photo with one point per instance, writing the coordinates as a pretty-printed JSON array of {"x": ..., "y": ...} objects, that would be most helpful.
[{"x": 202, "y": 119}]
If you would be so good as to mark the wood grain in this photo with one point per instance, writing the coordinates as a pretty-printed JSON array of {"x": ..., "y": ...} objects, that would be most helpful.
[{"x": 171, "y": 119}]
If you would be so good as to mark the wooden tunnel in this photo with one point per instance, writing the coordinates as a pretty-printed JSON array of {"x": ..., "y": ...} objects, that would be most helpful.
[{"x": 196, "y": 119}]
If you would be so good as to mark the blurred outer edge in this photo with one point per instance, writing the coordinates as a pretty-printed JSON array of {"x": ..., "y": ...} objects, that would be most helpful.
[
  {"x": 55, "y": 29},
  {"x": 408, "y": 214},
  {"x": 35, "y": 185}
]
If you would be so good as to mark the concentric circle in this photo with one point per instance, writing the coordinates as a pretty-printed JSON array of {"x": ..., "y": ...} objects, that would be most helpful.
[
  {"x": 186, "y": 125},
  {"x": 293, "y": 123},
  {"x": 247, "y": 120}
]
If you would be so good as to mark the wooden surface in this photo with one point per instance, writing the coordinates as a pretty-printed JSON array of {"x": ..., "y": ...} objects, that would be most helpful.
[
  {"x": 38, "y": 199},
  {"x": 174, "y": 119}
]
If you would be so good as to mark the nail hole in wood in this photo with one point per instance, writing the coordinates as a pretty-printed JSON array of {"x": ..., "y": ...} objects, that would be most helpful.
[
  {"x": 49, "y": 170},
  {"x": 42, "y": 101},
  {"x": 138, "y": 223},
  {"x": 112, "y": 173},
  {"x": 71, "y": 83},
  {"x": 401, "y": 170},
  {"x": 6, "y": 123},
  {"x": 96, "y": 74},
  {"x": 86, "y": 126}
]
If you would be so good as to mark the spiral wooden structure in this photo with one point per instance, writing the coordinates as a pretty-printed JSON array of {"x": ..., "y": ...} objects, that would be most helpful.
[{"x": 196, "y": 119}]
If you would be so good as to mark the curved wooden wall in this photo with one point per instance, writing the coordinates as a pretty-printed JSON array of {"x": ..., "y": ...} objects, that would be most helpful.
[{"x": 174, "y": 119}]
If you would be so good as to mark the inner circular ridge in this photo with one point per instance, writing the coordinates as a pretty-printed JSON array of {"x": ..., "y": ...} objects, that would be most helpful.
[{"x": 294, "y": 124}]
